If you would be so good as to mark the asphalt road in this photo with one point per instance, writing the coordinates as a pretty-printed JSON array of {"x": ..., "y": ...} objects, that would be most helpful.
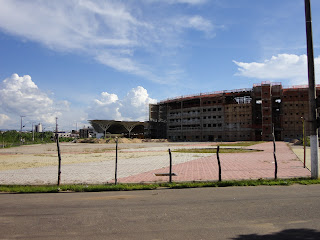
[{"x": 278, "y": 212}]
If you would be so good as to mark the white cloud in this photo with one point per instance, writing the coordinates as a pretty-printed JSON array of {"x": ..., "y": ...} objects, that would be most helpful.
[
  {"x": 21, "y": 96},
  {"x": 290, "y": 67},
  {"x": 133, "y": 107},
  {"x": 115, "y": 33},
  {"x": 107, "y": 98},
  {"x": 74, "y": 24},
  {"x": 3, "y": 119},
  {"x": 195, "y": 22}
]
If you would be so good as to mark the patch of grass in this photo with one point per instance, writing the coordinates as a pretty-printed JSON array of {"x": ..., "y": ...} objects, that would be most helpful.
[
  {"x": 214, "y": 150},
  {"x": 28, "y": 189},
  {"x": 75, "y": 188},
  {"x": 234, "y": 183},
  {"x": 132, "y": 187},
  {"x": 241, "y": 144}
]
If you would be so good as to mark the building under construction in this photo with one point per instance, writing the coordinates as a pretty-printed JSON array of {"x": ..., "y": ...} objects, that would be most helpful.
[{"x": 234, "y": 115}]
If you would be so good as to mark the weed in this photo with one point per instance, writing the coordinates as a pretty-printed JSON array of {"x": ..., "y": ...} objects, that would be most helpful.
[
  {"x": 131, "y": 187},
  {"x": 214, "y": 150},
  {"x": 242, "y": 144}
]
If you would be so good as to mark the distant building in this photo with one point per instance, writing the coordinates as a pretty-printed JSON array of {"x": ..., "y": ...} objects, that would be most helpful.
[
  {"x": 38, "y": 128},
  {"x": 233, "y": 115},
  {"x": 86, "y": 132},
  {"x": 74, "y": 134}
]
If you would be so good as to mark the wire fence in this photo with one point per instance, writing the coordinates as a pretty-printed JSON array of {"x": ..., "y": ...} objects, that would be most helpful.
[{"x": 83, "y": 163}]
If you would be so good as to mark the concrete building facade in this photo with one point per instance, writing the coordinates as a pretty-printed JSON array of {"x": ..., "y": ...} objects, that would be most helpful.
[{"x": 233, "y": 115}]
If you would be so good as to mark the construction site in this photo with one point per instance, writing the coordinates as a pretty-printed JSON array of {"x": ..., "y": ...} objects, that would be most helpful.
[{"x": 250, "y": 114}]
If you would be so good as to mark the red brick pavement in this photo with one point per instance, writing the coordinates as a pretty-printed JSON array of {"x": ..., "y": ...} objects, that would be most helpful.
[{"x": 235, "y": 166}]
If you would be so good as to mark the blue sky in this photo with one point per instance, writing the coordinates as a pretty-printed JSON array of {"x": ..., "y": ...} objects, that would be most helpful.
[{"x": 85, "y": 59}]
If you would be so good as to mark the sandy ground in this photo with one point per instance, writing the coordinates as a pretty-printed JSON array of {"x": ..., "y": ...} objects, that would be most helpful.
[
  {"x": 85, "y": 162},
  {"x": 40, "y": 155},
  {"x": 88, "y": 163}
]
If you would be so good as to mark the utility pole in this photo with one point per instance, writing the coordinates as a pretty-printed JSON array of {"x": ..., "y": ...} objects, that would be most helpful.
[
  {"x": 32, "y": 132},
  {"x": 56, "y": 125},
  {"x": 21, "y": 129},
  {"x": 314, "y": 142}
]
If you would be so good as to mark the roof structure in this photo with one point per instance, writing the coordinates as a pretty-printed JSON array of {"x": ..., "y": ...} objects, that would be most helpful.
[{"x": 112, "y": 126}]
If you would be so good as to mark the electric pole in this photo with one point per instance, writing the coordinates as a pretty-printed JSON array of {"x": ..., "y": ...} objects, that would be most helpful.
[
  {"x": 21, "y": 129},
  {"x": 32, "y": 132},
  {"x": 314, "y": 142}
]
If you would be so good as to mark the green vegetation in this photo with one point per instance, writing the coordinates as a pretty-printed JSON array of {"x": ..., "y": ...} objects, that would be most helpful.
[
  {"x": 214, "y": 150},
  {"x": 241, "y": 144},
  {"x": 307, "y": 141},
  {"x": 13, "y": 138},
  {"x": 75, "y": 188},
  {"x": 131, "y": 187}
]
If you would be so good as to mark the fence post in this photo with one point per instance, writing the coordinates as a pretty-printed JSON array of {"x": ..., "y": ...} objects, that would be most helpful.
[
  {"x": 116, "y": 166},
  {"x": 274, "y": 155},
  {"x": 219, "y": 165},
  {"x": 170, "y": 168},
  {"x": 59, "y": 157}
]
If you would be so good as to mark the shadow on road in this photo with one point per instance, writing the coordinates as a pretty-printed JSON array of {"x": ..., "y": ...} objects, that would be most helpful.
[{"x": 292, "y": 234}]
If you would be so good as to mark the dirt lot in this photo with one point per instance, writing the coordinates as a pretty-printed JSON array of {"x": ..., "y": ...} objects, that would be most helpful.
[
  {"x": 85, "y": 163},
  {"x": 40, "y": 155}
]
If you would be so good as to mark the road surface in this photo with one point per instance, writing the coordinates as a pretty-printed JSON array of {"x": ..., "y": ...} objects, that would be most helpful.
[{"x": 264, "y": 212}]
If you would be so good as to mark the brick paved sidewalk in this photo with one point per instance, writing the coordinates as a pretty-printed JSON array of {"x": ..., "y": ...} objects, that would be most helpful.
[{"x": 234, "y": 166}]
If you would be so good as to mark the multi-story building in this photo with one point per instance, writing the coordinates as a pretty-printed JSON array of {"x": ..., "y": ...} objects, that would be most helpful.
[{"x": 234, "y": 115}]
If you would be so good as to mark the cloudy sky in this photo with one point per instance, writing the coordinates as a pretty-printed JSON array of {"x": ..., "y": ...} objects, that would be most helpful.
[{"x": 85, "y": 59}]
